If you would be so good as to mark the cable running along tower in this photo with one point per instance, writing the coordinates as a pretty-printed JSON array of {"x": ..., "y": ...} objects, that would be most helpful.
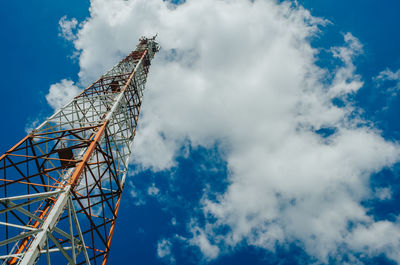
[{"x": 61, "y": 185}]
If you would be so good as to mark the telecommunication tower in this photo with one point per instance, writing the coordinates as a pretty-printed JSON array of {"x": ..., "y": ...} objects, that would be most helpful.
[{"x": 61, "y": 185}]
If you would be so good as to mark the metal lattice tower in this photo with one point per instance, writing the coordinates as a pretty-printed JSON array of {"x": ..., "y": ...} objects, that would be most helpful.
[{"x": 61, "y": 185}]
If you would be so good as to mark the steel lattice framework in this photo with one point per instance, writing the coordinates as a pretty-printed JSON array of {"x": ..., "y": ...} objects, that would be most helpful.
[{"x": 61, "y": 185}]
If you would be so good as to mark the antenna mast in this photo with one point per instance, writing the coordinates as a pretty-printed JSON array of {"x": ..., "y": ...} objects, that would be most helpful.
[{"x": 61, "y": 185}]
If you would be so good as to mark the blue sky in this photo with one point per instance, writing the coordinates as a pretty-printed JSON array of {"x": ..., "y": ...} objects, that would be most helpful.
[{"x": 35, "y": 56}]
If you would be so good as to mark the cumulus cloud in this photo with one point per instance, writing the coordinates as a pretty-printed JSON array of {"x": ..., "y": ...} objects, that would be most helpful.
[
  {"x": 383, "y": 193},
  {"x": 153, "y": 190},
  {"x": 61, "y": 93},
  {"x": 376, "y": 238},
  {"x": 136, "y": 194},
  {"x": 164, "y": 251},
  {"x": 242, "y": 74},
  {"x": 201, "y": 240},
  {"x": 30, "y": 125},
  {"x": 390, "y": 76},
  {"x": 68, "y": 28},
  {"x": 388, "y": 84}
]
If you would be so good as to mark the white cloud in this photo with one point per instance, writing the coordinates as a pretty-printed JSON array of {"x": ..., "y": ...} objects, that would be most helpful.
[
  {"x": 243, "y": 74},
  {"x": 30, "y": 125},
  {"x": 153, "y": 190},
  {"x": 61, "y": 93},
  {"x": 163, "y": 248},
  {"x": 383, "y": 193},
  {"x": 164, "y": 251},
  {"x": 137, "y": 196},
  {"x": 68, "y": 28},
  {"x": 200, "y": 239},
  {"x": 389, "y": 75},
  {"x": 340, "y": 85},
  {"x": 388, "y": 83},
  {"x": 173, "y": 221},
  {"x": 376, "y": 238}
]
